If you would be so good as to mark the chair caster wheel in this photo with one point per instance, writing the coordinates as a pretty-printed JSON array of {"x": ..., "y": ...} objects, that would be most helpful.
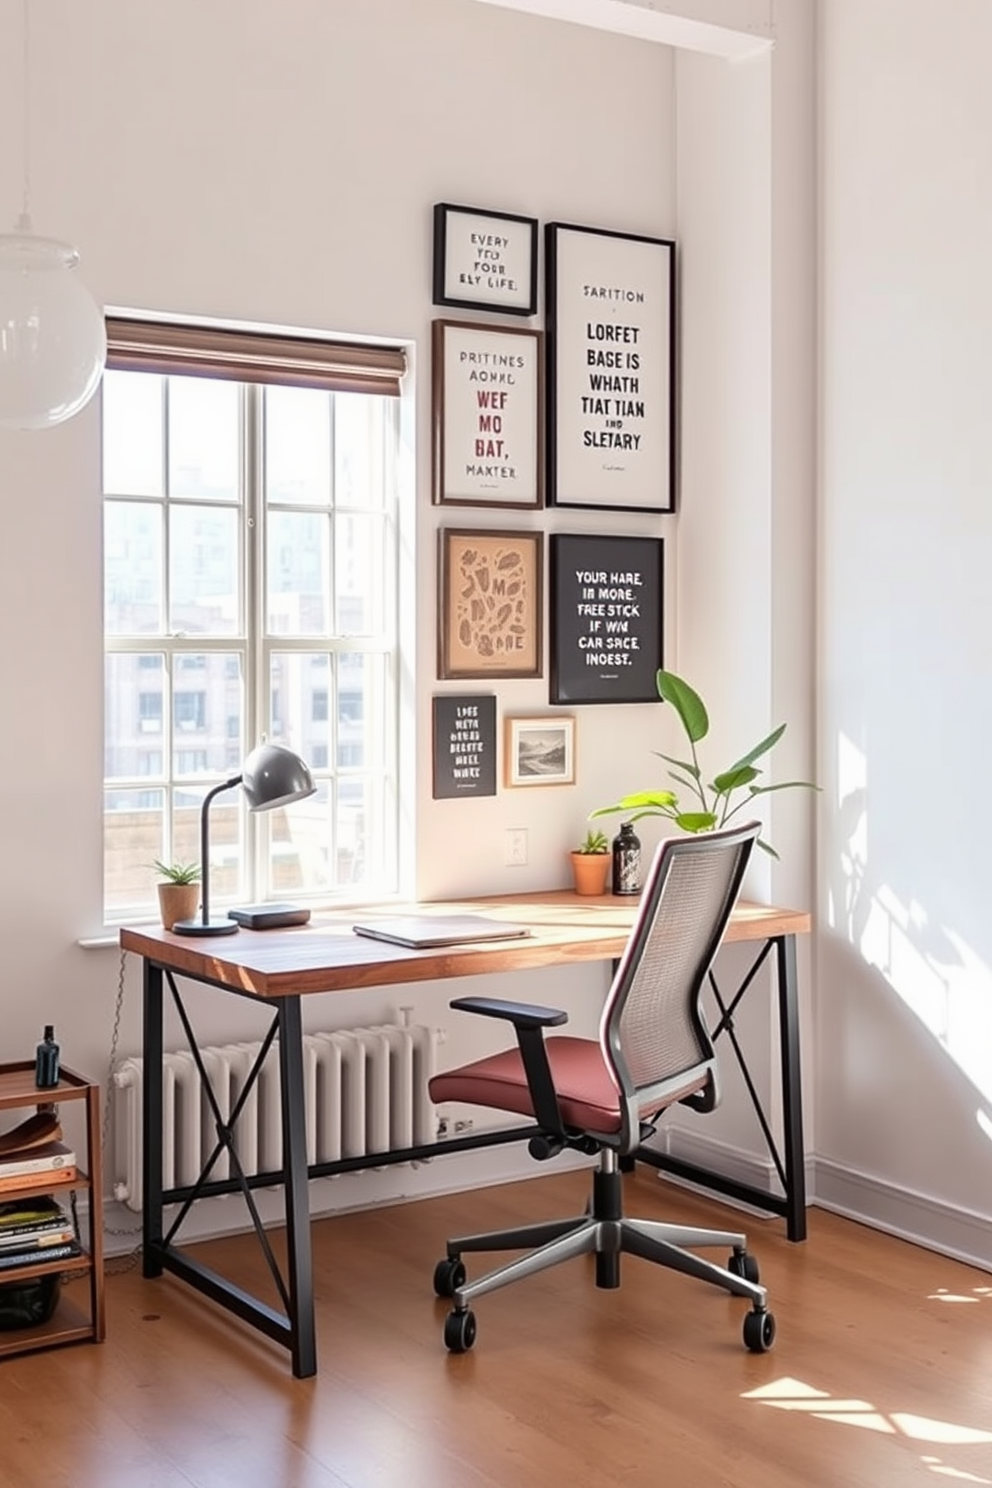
[
  {"x": 459, "y": 1331},
  {"x": 742, "y": 1263},
  {"x": 759, "y": 1332},
  {"x": 449, "y": 1275}
]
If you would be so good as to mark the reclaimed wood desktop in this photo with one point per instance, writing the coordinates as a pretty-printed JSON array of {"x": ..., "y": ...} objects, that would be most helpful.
[{"x": 278, "y": 967}]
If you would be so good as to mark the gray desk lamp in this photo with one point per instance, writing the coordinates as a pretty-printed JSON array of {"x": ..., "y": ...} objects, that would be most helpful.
[{"x": 271, "y": 776}]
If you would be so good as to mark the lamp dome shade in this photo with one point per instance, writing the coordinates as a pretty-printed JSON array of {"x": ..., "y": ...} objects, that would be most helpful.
[
  {"x": 53, "y": 340},
  {"x": 273, "y": 776}
]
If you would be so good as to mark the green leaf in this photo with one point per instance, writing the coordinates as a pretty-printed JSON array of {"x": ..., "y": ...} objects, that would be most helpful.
[
  {"x": 685, "y": 765},
  {"x": 734, "y": 779},
  {"x": 766, "y": 790},
  {"x": 687, "y": 704},
  {"x": 696, "y": 821},
  {"x": 759, "y": 749}
]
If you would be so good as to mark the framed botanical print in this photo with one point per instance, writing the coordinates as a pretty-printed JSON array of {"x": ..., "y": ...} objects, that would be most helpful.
[{"x": 489, "y": 603}]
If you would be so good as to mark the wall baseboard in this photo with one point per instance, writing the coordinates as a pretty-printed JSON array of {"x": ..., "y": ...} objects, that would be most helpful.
[{"x": 961, "y": 1234}]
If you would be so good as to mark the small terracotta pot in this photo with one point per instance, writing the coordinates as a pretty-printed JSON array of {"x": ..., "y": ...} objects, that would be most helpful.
[
  {"x": 178, "y": 902},
  {"x": 591, "y": 871}
]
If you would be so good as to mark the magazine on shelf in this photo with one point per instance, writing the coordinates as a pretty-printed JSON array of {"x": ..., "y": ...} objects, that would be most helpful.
[
  {"x": 48, "y": 1158},
  {"x": 34, "y": 1255},
  {"x": 32, "y": 1209}
]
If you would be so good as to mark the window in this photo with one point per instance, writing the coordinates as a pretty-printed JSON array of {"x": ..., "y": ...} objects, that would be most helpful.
[{"x": 250, "y": 592}]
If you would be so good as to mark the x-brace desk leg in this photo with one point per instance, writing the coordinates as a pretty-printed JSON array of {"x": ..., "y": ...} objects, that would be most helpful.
[
  {"x": 296, "y": 1328},
  {"x": 791, "y": 1170}
]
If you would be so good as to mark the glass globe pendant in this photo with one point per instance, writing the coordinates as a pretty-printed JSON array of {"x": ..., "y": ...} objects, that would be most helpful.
[{"x": 53, "y": 341}]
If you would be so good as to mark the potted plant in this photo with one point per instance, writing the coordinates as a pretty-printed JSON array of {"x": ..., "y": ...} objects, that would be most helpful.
[
  {"x": 178, "y": 892},
  {"x": 591, "y": 863},
  {"x": 713, "y": 803}
]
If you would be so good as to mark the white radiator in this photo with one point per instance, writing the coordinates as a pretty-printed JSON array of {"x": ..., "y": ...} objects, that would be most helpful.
[{"x": 365, "y": 1091}]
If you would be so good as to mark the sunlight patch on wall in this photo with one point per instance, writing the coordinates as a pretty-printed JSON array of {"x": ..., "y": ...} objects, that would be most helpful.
[{"x": 931, "y": 969}]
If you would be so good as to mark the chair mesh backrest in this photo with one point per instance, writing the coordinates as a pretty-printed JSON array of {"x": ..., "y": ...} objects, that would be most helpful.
[{"x": 653, "y": 1028}]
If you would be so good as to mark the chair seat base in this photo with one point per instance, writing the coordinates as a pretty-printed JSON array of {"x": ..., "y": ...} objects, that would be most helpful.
[{"x": 603, "y": 1231}]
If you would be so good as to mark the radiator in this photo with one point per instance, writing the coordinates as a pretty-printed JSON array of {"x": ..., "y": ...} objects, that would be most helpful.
[{"x": 365, "y": 1091}]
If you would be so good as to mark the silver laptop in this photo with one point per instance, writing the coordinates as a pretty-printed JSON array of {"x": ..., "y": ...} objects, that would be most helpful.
[{"x": 420, "y": 931}]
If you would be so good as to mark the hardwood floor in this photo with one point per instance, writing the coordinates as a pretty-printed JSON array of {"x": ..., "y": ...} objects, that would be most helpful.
[{"x": 880, "y": 1376}]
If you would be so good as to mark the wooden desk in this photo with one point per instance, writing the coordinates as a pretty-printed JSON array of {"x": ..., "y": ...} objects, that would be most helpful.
[{"x": 325, "y": 956}]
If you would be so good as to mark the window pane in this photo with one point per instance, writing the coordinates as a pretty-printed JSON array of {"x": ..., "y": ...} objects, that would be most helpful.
[
  {"x": 204, "y": 591},
  {"x": 132, "y": 434},
  {"x": 358, "y": 579},
  {"x": 207, "y": 712},
  {"x": 299, "y": 686},
  {"x": 133, "y": 712},
  {"x": 227, "y": 867},
  {"x": 355, "y": 741},
  {"x": 299, "y": 845},
  {"x": 350, "y": 828},
  {"x": 204, "y": 428},
  {"x": 132, "y": 568},
  {"x": 298, "y": 445},
  {"x": 298, "y": 573},
  {"x": 133, "y": 837},
  {"x": 358, "y": 449}
]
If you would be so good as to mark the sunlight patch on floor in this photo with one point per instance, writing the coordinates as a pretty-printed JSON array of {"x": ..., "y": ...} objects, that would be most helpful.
[{"x": 794, "y": 1395}]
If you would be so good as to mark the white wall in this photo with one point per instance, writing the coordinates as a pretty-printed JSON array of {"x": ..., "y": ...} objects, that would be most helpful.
[
  {"x": 904, "y": 1028},
  {"x": 279, "y": 164}
]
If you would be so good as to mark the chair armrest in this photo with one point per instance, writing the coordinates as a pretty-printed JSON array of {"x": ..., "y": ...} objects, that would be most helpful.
[
  {"x": 529, "y": 1020},
  {"x": 522, "y": 1014}
]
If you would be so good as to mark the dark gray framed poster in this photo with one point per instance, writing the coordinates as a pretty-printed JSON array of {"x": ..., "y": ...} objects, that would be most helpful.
[
  {"x": 607, "y": 607},
  {"x": 464, "y": 746},
  {"x": 611, "y": 369}
]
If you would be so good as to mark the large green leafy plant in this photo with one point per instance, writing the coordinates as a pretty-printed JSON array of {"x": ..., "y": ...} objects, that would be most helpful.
[{"x": 713, "y": 803}]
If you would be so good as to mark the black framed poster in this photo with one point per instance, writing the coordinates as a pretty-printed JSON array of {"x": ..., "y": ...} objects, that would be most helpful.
[
  {"x": 485, "y": 260},
  {"x": 611, "y": 369},
  {"x": 607, "y": 604},
  {"x": 464, "y": 746}
]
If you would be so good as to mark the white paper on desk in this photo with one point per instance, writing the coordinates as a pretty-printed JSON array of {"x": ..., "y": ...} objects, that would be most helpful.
[{"x": 419, "y": 932}]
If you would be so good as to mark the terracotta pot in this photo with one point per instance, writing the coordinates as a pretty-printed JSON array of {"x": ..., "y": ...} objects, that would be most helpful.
[
  {"x": 591, "y": 871},
  {"x": 178, "y": 902}
]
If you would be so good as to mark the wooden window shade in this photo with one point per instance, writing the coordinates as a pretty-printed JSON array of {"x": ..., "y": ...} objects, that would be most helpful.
[{"x": 249, "y": 356}]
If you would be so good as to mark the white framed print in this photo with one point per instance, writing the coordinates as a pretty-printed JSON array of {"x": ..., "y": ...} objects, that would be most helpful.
[
  {"x": 487, "y": 415},
  {"x": 485, "y": 260},
  {"x": 540, "y": 751},
  {"x": 611, "y": 369}
]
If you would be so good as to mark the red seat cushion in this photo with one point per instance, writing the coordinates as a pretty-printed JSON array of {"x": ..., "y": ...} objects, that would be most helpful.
[{"x": 587, "y": 1096}]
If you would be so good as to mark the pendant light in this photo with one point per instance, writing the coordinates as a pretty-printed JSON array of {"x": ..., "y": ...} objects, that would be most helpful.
[{"x": 53, "y": 341}]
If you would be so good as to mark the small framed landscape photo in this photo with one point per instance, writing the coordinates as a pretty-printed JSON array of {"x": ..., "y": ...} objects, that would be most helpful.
[
  {"x": 489, "y": 603},
  {"x": 486, "y": 407},
  {"x": 540, "y": 751},
  {"x": 485, "y": 260}
]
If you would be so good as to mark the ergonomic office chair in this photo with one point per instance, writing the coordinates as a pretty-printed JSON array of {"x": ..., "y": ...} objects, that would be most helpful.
[{"x": 604, "y": 1096}]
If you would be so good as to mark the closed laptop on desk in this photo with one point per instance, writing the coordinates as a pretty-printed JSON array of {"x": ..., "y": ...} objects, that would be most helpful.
[{"x": 420, "y": 932}]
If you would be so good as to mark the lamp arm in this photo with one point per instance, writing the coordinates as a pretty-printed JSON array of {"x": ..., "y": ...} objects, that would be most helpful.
[{"x": 205, "y": 845}]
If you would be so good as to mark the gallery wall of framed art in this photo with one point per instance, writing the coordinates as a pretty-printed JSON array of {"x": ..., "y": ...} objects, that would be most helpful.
[{"x": 578, "y": 414}]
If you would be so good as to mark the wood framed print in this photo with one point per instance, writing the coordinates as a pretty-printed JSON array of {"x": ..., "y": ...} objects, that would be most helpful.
[
  {"x": 464, "y": 746},
  {"x": 485, "y": 260},
  {"x": 611, "y": 369},
  {"x": 489, "y": 603},
  {"x": 607, "y": 604},
  {"x": 486, "y": 407},
  {"x": 540, "y": 751}
]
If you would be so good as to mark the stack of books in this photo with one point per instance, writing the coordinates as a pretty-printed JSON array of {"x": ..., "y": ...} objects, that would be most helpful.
[{"x": 34, "y": 1227}]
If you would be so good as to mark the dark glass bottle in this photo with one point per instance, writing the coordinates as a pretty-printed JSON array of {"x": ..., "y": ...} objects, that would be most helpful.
[
  {"x": 626, "y": 861},
  {"x": 46, "y": 1064}
]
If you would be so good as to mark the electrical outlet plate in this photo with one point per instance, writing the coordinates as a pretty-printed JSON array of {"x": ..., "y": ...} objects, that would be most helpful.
[{"x": 515, "y": 847}]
